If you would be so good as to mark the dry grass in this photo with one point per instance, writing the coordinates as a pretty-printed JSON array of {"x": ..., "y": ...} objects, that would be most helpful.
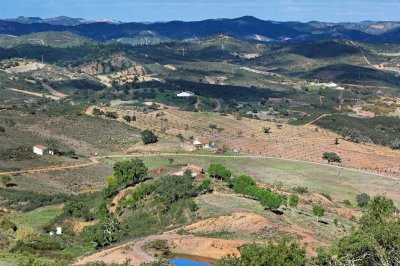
[{"x": 305, "y": 143}]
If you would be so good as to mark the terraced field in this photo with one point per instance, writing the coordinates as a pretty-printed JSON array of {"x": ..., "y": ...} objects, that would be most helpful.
[{"x": 304, "y": 143}]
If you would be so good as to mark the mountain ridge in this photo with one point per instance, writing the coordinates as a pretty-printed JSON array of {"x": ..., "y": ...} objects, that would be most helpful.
[{"x": 244, "y": 28}]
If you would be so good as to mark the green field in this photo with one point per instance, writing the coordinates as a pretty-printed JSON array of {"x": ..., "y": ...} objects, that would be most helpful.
[
  {"x": 339, "y": 183},
  {"x": 37, "y": 218}
]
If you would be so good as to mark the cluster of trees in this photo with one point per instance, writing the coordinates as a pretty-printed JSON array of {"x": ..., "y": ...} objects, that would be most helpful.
[
  {"x": 219, "y": 171},
  {"x": 247, "y": 186},
  {"x": 380, "y": 130},
  {"x": 126, "y": 173}
]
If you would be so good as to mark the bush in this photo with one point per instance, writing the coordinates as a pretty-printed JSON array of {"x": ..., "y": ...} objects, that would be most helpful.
[
  {"x": 205, "y": 186},
  {"x": 7, "y": 225},
  {"x": 331, "y": 157},
  {"x": 293, "y": 200},
  {"x": 301, "y": 190},
  {"x": 347, "y": 203},
  {"x": 318, "y": 211},
  {"x": 97, "y": 112},
  {"x": 363, "y": 200},
  {"x": 281, "y": 254},
  {"x": 5, "y": 179},
  {"x": 112, "y": 115},
  {"x": 78, "y": 209},
  {"x": 149, "y": 137},
  {"x": 395, "y": 144}
]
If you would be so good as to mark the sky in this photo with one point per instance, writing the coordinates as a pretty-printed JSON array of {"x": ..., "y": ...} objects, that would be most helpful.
[{"x": 192, "y": 10}]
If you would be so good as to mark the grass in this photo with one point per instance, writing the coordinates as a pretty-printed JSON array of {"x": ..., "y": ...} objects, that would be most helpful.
[
  {"x": 9, "y": 259},
  {"x": 339, "y": 183},
  {"x": 37, "y": 218}
]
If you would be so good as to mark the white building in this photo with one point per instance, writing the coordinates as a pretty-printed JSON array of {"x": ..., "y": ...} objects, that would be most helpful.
[
  {"x": 41, "y": 150},
  {"x": 58, "y": 230},
  {"x": 185, "y": 94}
]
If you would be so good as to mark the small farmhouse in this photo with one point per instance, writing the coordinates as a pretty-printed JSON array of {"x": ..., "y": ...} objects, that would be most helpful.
[
  {"x": 41, "y": 150},
  {"x": 185, "y": 94},
  {"x": 202, "y": 144}
]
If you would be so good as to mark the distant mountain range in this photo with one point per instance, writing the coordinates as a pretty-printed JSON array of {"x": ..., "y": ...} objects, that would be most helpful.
[{"x": 244, "y": 28}]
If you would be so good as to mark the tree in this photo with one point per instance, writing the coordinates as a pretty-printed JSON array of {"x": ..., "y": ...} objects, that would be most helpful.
[
  {"x": 173, "y": 188},
  {"x": 241, "y": 183},
  {"x": 331, "y": 157},
  {"x": 318, "y": 211},
  {"x": 363, "y": 199},
  {"x": 127, "y": 118},
  {"x": 106, "y": 232},
  {"x": 149, "y": 137},
  {"x": 218, "y": 171},
  {"x": 293, "y": 200},
  {"x": 269, "y": 199},
  {"x": 379, "y": 209},
  {"x": 70, "y": 153},
  {"x": 171, "y": 161},
  {"x": 52, "y": 144},
  {"x": 5, "y": 180},
  {"x": 180, "y": 137},
  {"x": 129, "y": 172}
]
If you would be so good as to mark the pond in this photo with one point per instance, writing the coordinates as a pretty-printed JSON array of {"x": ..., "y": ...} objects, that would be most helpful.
[
  {"x": 190, "y": 260},
  {"x": 187, "y": 262}
]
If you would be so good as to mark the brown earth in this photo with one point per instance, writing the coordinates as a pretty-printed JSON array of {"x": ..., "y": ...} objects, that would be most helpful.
[
  {"x": 304, "y": 143},
  {"x": 191, "y": 245}
]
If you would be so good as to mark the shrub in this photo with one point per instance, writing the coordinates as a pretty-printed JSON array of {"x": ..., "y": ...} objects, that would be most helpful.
[
  {"x": 205, "y": 186},
  {"x": 7, "y": 225},
  {"x": 149, "y": 137},
  {"x": 112, "y": 115},
  {"x": 363, "y": 199},
  {"x": 318, "y": 211},
  {"x": 78, "y": 209},
  {"x": 347, "y": 203},
  {"x": 5, "y": 179},
  {"x": 293, "y": 200},
  {"x": 280, "y": 254},
  {"x": 301, "y": 190},
  {"x": 331, "y": 157},
  {"x": 395, "y": 144},
  {"x": 97, "y": 112},
  {"x": 326, "y": 195},
  {"x": 127, "y": 118}
]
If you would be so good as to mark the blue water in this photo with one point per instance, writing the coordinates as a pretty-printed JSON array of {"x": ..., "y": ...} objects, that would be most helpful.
[{"x": 186, "y": 262}]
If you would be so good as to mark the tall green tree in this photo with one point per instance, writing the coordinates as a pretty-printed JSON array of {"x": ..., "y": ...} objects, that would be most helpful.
[{"x": 129, "y": 172}]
